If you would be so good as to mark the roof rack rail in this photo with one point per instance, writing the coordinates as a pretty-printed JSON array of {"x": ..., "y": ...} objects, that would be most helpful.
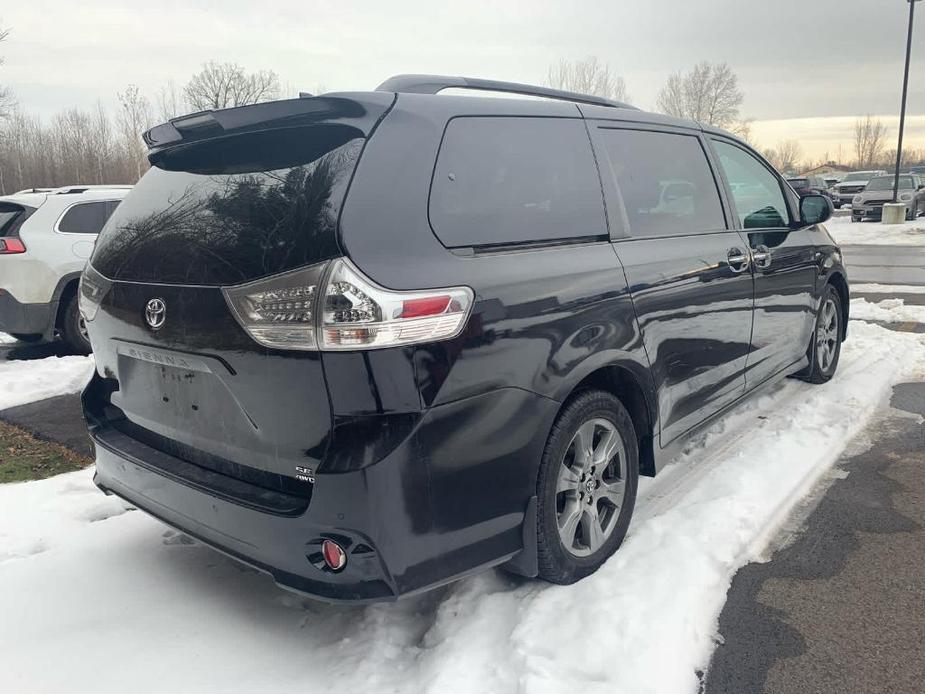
[
  {"x": 73, "y": 189},
  {"x": 432, "y": 84}
]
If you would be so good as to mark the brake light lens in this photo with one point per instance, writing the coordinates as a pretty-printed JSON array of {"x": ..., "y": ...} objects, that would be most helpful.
[
  {"x": 291, "y": 311},
  {"x": 359, "y": 314},
  {"x": 10, "y": 246},
  {"x": 279, "y": 312}
]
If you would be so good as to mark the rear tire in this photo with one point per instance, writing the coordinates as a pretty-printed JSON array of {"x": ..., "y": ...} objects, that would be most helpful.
[
  {"x": 586, "y": 488},
  {"x": 825, "y": 343},
  {"x": 73, "y": 329}
]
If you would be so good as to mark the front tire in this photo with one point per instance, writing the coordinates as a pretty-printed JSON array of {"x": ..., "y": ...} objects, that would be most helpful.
[
  {"x": 73, "y": 328},
  {"x": 825, "y": 344},
  {"x": 586, "y": 488}
]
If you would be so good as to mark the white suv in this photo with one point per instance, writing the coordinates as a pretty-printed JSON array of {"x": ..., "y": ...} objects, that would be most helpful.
[{"x": 46, "y": 237}]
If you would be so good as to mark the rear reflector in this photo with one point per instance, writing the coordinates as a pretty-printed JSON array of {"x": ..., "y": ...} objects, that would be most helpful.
[
  {"x": 334, "y": 555},
  {"x": 430, "y": 306},
  {"x": 11, "y": 245}
]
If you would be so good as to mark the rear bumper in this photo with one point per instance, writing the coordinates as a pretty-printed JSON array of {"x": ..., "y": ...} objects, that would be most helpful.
[
  {"x": 23, "y": 319},
  {"x": 425, "y": 515}
]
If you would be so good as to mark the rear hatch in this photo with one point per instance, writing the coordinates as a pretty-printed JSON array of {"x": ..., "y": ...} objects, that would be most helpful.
[{"x": 232, "y": 196}]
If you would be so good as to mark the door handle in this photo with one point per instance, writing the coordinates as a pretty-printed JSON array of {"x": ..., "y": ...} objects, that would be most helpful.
[
  {"x": 761, "y": 256},
  {"x": 737, "y": 260}
]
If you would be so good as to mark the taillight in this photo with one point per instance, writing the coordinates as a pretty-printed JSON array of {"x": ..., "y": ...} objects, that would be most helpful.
[
  {"x": 359, "y": 314},
  {"x": 279, "y": 311},
  {"x": 291, "y": 311},
  {"x": 9, "y": 246},
  {"x": 90, "y": 292}
]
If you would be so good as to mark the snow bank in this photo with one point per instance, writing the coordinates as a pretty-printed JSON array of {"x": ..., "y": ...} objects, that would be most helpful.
[
  {"x": 28, "y": 380},
  {"x": 844, "y": 231},
  {"x": 7, "y": 339},
  {"x": 123, "y": 602},
  {"x": 888, "y": 310},
  {"x": 887, "y": 289}
]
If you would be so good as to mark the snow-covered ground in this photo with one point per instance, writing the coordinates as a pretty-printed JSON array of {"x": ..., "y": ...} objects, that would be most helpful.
[
  {"x": 844, "y": 231},
  {"x": 96, "y": 599},
  {"x": 889, "y": 310},
  {"x": 29, "y": 380},
  {"x": 7, "y": 339},
  {"x": 887, "y": 289}
]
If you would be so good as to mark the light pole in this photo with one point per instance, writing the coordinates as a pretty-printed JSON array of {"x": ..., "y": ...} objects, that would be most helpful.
[{"x": 902, "y": 109}]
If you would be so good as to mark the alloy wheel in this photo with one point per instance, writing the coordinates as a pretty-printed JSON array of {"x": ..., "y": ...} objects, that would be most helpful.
[
  {"x": 827, "y": 335},
  {"x": 590, "y": 487}
]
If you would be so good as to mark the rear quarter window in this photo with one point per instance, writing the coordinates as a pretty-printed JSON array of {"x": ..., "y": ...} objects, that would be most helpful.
[
  {"x": 515, "y": 180},
  {"x": 87, "y": 217}
]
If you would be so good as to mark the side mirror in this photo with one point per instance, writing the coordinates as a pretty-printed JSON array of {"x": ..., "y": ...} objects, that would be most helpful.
[{"x": 815, "y": 209}]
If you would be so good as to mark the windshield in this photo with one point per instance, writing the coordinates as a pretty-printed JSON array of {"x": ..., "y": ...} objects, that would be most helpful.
[
  {"x": 856, "y": 177},
  {"x": 886, "y": 183}
]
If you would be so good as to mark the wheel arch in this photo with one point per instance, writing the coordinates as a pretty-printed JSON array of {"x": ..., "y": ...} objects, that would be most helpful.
[
  {"x": 630, "y": 382},
  {"x": 66, "y": 288}
]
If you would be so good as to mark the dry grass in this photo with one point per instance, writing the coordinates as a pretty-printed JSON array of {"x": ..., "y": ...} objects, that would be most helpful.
[{"x": 24, "y": 457}]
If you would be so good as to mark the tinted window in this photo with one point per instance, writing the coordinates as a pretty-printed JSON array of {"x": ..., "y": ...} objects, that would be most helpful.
[
  {"x": 11, "y": 217},
  {"x": 799, "y": 182},
  {"x": 232, "y": 209},
  {"x": 756, "y": 191},
  {"x": 665, "y": 182},
  {"x": 86, "y": 217},
  {"x": 513, "y": 180}
]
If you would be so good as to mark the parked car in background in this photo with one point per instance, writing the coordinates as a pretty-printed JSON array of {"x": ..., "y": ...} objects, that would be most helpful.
[
  {"x": 869, "y": 202},
  {"x": 367, "y": 385},
  {"x": 830, "y": 182},
  {"x": 920, "y": 170},
  {"x": 45, "y": 240},
  {"x": 852, "y": 184},
  {"x": 809, "y": 185}
]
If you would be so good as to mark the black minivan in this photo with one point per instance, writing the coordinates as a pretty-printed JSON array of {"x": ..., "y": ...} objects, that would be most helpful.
[{"x": 372, "y": 342}]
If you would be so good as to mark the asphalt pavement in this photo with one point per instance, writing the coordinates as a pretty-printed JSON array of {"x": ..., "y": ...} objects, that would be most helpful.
[
  {"x": 885, "y": 264},
  {"x": 841, "y": 608}
]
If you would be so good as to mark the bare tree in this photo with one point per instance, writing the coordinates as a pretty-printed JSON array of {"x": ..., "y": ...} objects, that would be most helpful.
[
  {"x": 223, "y": 85},
  {"x": 869, "y": 141},
  {"x": 788, "y": 153},
  {"x": 708, "y": 93},
  {"x": 743, "y": 129},
  {"x": 169, "y": 102},
  {"x": 6, "y": 96},
  {"x": 588, "y": 76},
  {"x": 134, "y": 119}
]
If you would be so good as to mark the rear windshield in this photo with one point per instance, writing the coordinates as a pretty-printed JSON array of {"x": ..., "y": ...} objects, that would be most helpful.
[
  {"x": 12, "y": 217},
  {"x": 798, "y": 182},
  {"x": 232, "y": 209},
  {"x": 886, "y": 183}
]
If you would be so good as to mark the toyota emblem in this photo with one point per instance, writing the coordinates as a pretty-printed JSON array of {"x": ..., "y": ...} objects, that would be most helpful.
[{"x": 155, "y": 313}]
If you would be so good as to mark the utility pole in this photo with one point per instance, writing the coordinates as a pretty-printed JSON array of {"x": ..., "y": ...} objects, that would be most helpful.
[{"x": 902, "y": 109}]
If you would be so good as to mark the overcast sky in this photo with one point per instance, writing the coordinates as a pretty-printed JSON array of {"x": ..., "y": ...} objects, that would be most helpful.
[{"x": 795, "y": 59}]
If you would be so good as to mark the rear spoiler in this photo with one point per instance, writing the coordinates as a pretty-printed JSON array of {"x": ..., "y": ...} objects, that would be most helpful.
[{"x": 361, "y": 110}]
